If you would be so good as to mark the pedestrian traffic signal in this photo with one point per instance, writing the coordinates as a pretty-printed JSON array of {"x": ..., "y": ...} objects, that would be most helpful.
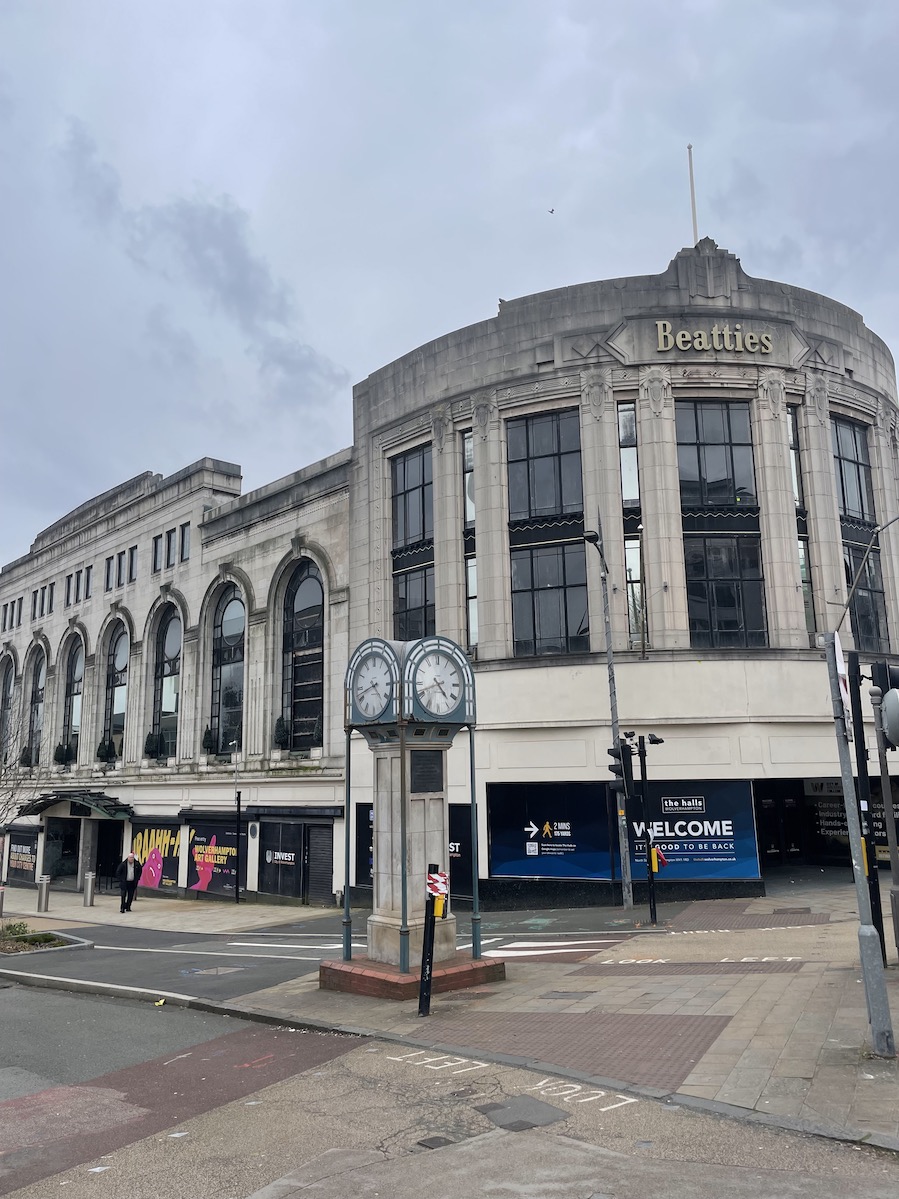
[
  {"x": 886, "y": 677},
  {"x": 622, "y": 767}
]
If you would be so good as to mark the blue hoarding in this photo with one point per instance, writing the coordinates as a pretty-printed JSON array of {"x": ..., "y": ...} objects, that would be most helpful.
[
  {"x": 705, "y": 830},
  {"x": 548, "y": 830}
]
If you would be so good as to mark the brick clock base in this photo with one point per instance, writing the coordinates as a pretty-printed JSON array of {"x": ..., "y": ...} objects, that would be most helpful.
[{"x": 361, "y": 976}]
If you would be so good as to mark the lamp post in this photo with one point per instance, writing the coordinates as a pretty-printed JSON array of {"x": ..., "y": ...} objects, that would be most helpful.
[
  {"x": 238, "y": 816},
  {"x": 627, "y": 887}
]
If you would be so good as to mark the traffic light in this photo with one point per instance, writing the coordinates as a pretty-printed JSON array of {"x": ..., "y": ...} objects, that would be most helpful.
[
  {"x": 622, "y": 767},
  {"x": 886, "y": 677}
]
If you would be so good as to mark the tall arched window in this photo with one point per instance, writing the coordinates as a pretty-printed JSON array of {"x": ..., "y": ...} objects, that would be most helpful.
[
  {"x": 117, "y": 687},
  {"x": 303, "y": 657},
  {"x": 167, "y": 678},
  {"x": 71, "y": 724},
  {"x": 36, "y": 707},
  {"x": 228, "y": 632},
  {"x": 7, "y": 751}
]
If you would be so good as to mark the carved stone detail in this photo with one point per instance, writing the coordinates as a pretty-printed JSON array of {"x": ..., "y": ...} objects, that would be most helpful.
[
  {"x": 772, "y": 390},
  {"x": 655, "y": 388},
  {"x": 441, "y": 424},
  {"x": 816, "y": 391},
  {"x": 482, "y": 413},
  {"x": 596, "y": 390}
]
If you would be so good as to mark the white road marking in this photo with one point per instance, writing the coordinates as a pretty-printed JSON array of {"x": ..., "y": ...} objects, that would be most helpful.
[
  {"x": 312, "y": 948},
  {"x": 531, "y": 953},
  {"x": 559, "y": 944},
  {"x": 210, "y": 953}
]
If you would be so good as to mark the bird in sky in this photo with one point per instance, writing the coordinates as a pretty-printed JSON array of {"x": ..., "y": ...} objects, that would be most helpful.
[{"x": 551, "y": 211}]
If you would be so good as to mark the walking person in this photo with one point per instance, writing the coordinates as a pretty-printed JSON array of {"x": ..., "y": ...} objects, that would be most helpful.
[{"x": 127, "y": 876}]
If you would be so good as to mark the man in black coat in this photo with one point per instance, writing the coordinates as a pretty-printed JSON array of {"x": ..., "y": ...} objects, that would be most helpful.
[{"x": 127, "y": 876}]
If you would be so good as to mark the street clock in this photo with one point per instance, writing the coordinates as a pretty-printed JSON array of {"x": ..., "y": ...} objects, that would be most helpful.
[
  {"x": 438, "y": 685},
  {"x": 372, "y": 684}
]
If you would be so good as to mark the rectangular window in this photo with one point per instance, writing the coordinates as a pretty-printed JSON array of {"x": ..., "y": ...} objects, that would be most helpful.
[
  {"x": 714, "y": 455},
  {"x": 852, "y": 466},
  {"x": 867, "y": 607},
  {"x": 78, "y": 577},
  {"x": 468, "y": 480},
  {"x": 42, "y": 607},
  {"x": 120, "y": 569},
  {"x": 627, "y": 452},
  {"x": 805, "y": 574},
  {"x": 795, "y": 464},
  {"x": 19, "y": 612},
  {"x": 545, "y": 465},
  {"x": 157, "y": 553},
  {"x": 413, "y": 500},
  {"x": 88, "y": 571},
  {"x": 51, "y": 591},
  {"x": 636, "y": 606},
  {"x": 70, "y": 579},
  {"x": 471, "y": 600},
  {"x": 549, "y": 600},
  {"x": 725, "y": 592},
  {"x": 184, "y": 552},
  {"x": 109, "y": 577},
  {"x": 34, "y": 605},
  {"x": 132, "y": 563},
  {"x": 3, "y": 624},
  {"x": 170, "y": 544},
  {"x": 413, "y": 604}
]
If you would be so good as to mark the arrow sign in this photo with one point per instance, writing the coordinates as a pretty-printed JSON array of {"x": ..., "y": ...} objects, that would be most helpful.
[{"x": 531, "y": 829}]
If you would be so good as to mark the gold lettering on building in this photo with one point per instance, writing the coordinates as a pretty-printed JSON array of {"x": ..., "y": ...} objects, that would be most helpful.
[{"x": 719, "y": 337}]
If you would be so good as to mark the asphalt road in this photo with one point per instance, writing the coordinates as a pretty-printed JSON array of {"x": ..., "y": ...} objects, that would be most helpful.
[{"x": 117, "y": 1098}]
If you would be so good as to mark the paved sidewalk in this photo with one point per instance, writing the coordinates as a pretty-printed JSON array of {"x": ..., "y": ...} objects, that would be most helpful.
[{"x": 746, "y": 1006}]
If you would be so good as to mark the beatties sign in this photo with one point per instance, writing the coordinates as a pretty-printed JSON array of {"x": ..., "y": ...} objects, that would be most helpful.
[{"x": 719, "y": 337}]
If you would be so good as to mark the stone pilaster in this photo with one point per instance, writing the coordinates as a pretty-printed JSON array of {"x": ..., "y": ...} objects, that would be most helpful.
[
  {"x": 663, "y": 543},
  {"x": 190, "y": 728},
  {"x": 819, "y": 487},
  {"x": 449, "y": 565},
  {"x": 135, "y": 733},
  {"x": 492, "y": 532},
  {"x": 777, "y": 514},
  {"x": 883, "y": 450}
]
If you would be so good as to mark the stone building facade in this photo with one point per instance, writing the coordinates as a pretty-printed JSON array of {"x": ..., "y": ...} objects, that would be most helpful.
[{"x": 733, "y": 440}]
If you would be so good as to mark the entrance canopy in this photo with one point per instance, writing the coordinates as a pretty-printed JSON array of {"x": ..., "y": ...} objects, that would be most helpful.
[{"x": 97, "y": 801}]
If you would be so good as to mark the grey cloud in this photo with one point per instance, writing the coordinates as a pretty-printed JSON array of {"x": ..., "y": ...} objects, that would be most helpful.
[
  {"x": 207, "y": 241},
  {"x": 170, "y": 347},
  {"x": 95, "y": 185},
  {"x": 296, "y": 372}
]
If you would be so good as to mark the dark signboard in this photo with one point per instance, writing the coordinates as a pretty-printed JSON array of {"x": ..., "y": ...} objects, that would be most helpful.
[
  {"x": 705, "y": 830},
  {"x": 213, "y": 851},
  {"x": 426, "y": 771},
  {"x": 22, "y": 855},
  {"x": 365, "y": 844},
  {"x": 830, "y": 831},
  {"x": 459, "y": 849},
  {"x": 158, "y": 846},
  {"x": 548, "y": 830}
]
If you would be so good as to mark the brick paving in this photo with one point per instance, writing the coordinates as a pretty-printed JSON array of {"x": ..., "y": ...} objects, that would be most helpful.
[
  {"x": 662, "y": 969},
  {"x": 656, "y": 1051}
]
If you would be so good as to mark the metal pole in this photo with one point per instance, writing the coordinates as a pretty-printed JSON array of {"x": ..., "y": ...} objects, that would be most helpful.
[
  {"x": 237, "y": 811},
  {"x": 347, "y": 917},
  {"x": 404, "y": 868},
  {"x": 627, "y": 888},
  {"x": 863, "y": 784},
  {"x": 868, "y": 941},
  {"x": 889, "y": 816},
  {"x": 650, "y": 873},
  {"x": 693, "y": 196},
  {"x": 475, "y": 901}
]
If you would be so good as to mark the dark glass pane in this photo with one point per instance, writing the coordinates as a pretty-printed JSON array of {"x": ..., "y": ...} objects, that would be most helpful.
[
  {"x": 852, "y": 491},
  {"x": 716, "y": 474},
  {"x": 428, "y": 573},
  {"x": 630, "y": 482},
  {"x": 428, "y": 503},
  {"x": 721, "y": 554},
  {"x": 233, "y": 620},
  {"x": 726, "y": 608},
  {"x": 627, "y": 425},
  {"x": 413, "y": 518},
  {"x": 415, "y": 595},
  {"x": 688, "y": 467},
  {"x": 548, "y": 567},
  {"x": 399, "y": 520},
  {"x": 569, "y": 431},
  {"x": 543, "y": 435},
  {"x": 572, "y": 493},
  {"x": 750, "y": 551},
  {"x": 544, "y": 488},
  {"x": 739, "y": 423},
  {"x": 171, "y": 647},
  {"x": 521, "y": 570},
  {"x": 685, "y": 422},
  {"x": 413, "y": 471},
  {"x": 712, "y": 426},
  {"x": 516, "y": 434},
  {"x": 576, "y": 611},
  {"x": 399, "y": 475},
  {"x": 754, "y": 607},
  {"x": 744, "y": 475},
  {"x": 426, "y": 465},
  {"x": 518, "y": 491},
  {"x": 548, "y": 621},
  {"x": 845, "y": 440},
  {"x": 523, "y": 623},
  {"x": 867, "y": 493},
  {"x": 575, "y": 564},
  {"x": 694, "y": 557}
]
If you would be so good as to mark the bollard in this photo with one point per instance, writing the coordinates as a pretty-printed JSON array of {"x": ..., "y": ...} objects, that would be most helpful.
[
  {"x": 90, "y": 882},
  {"x": 2, "y": 893},
  {"x": 43, "y": 893}
]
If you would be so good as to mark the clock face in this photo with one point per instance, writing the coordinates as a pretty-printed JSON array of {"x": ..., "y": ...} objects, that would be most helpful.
[
  {"x": 438, "y": 684},
  {"x": 372, "y": 686}
]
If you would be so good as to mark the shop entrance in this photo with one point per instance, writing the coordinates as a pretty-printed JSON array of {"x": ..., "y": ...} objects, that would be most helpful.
[
  {"x": 61, "y": 844},
  {"x": 296, "y": 860},
  {"x": 784, "y": 826},
  {"x": 109, "y": 850}
]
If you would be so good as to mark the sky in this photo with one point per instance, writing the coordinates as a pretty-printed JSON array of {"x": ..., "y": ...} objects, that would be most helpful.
[{"x": 217, "y": 216}]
